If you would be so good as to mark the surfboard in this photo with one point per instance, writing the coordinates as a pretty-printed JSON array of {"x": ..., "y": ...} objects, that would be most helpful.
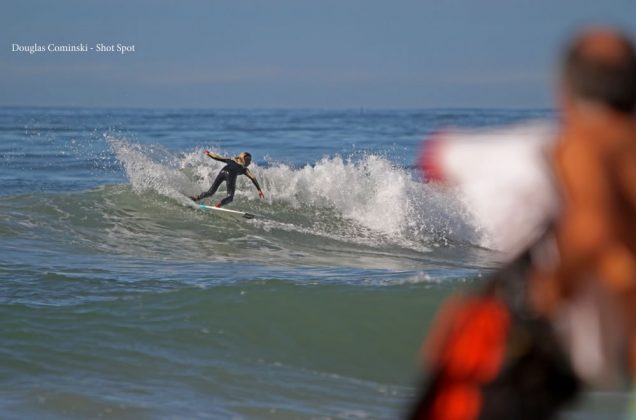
[
  {"x": 227, "y": 212},
  {"x": 501, "y": 175}
]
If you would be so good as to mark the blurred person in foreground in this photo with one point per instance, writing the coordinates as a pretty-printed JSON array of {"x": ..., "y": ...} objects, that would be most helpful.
[
  {"x": 594, "y": 164},
  {"x": 563, "y": 313}
]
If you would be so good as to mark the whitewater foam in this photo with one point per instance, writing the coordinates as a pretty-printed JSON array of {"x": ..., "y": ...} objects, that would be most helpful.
[{"x": 147, "y": 172}]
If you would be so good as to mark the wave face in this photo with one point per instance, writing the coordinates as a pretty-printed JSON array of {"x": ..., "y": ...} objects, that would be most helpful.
[
  {"x": 362, "y": 205},
  {"x": 120, "y": 298}
]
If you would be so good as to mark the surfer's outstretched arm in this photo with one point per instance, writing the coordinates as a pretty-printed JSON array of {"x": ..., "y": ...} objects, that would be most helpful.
[
  {"x": 216, "y": 156},
  {"x": 255, "y": 182}
]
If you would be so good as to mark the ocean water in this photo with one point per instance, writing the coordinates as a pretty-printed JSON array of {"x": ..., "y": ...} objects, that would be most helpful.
[{"x": 119, "y": 299}]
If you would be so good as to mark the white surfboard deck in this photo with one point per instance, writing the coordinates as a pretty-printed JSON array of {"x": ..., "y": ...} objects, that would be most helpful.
[
  {"x": 226, "y": 212},
  {"x": 503, "y": 177}
]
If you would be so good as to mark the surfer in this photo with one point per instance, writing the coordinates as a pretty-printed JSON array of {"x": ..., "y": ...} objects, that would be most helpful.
[{"x": 234, "y": 167}]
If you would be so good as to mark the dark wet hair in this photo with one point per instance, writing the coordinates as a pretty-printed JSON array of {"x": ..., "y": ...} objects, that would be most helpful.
[{"x": 611, "y": 82}]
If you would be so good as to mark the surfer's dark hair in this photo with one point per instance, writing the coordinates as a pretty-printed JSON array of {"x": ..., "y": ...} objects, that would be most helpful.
[{"x": 611, "y": 82}]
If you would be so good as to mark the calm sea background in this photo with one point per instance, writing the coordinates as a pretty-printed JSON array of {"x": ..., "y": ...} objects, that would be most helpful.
[{"x": 119, "y": 299}]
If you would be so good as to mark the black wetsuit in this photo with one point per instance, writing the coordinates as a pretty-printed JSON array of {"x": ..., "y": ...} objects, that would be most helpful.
[{"x": 228, "y": 174}]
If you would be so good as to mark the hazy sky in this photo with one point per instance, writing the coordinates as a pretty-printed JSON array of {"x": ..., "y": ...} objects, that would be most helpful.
[{"x": 294, "y": 53}]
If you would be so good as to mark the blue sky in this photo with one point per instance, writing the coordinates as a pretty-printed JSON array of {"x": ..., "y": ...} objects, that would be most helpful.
[{"x": 294, "y": 53}]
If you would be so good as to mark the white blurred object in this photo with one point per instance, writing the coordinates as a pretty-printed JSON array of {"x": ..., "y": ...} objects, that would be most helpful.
[{"x": 502, "y": 176}]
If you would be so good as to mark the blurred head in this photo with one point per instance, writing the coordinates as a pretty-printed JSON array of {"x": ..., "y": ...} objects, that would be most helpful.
[
  {"x": 599, "y": 66},
  {"x": 246, "y": 158}
]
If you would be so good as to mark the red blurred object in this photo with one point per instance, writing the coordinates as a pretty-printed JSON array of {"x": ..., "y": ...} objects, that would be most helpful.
[
  {"x": 467, "y": 346},
  {"x": 430, "y": 158}
]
